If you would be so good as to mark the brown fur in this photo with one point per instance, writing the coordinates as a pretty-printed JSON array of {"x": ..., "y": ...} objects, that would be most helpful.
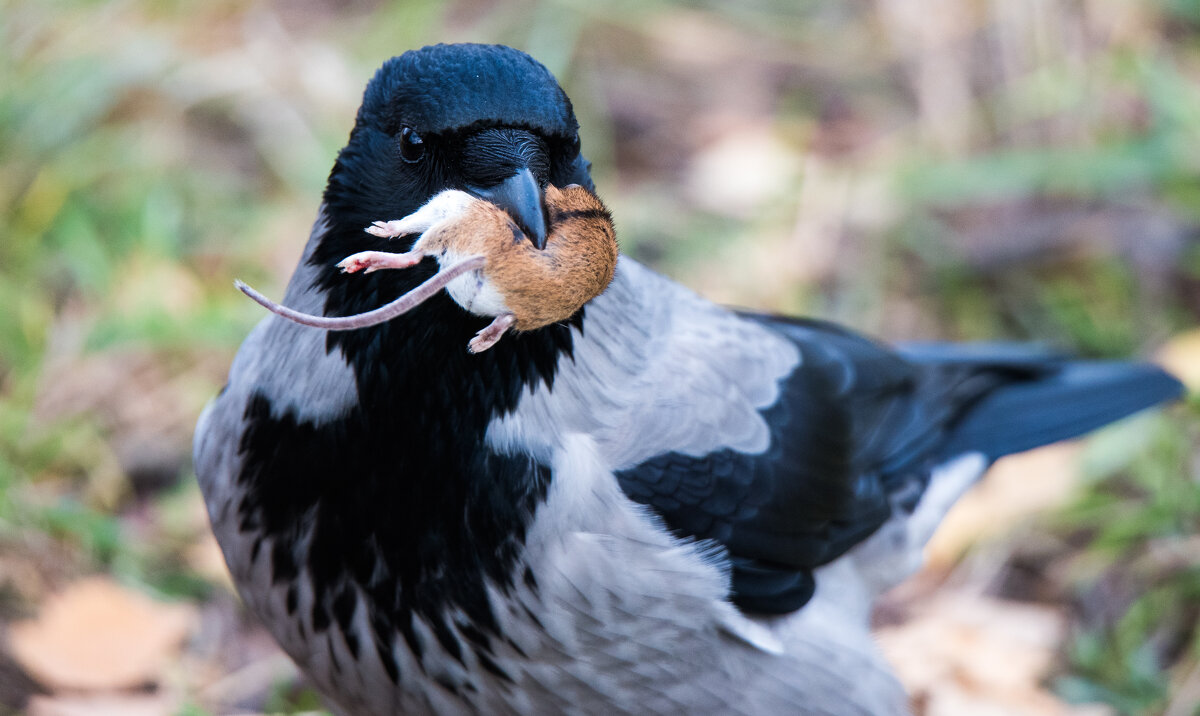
[{"x": 540, "y": 286}]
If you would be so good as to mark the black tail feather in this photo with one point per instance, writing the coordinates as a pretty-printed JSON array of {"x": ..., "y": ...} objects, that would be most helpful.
[{"x": 1065, "y": 402}]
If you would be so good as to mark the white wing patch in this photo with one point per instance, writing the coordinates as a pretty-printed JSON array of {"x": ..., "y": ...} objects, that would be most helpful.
[
  {"x": 656, "y": 369},
  {"x": 473, "y": 291}
]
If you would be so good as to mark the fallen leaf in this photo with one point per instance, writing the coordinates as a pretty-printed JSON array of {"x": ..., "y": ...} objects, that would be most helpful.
[
  {"x": 1181, "y": 356},
  {"x": 97, "y": 635},
  {"x": 967, "y": 653}
]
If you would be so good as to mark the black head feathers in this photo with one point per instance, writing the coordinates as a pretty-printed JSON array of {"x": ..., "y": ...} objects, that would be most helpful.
[
  {"x": 420, "y": 114},
  {"x": 445, "y": 88}
]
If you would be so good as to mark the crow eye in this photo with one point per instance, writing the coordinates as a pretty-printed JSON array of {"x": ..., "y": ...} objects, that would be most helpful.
[
  {"x": 573, "y": 146},
  {"x": 412, "y": 147}
]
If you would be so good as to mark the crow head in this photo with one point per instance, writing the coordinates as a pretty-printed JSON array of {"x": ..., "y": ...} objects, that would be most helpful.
[{"x": 485, "y": 119}]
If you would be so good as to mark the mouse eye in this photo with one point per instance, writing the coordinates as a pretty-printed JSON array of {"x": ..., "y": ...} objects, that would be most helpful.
[{"x": 412, "y": 147}]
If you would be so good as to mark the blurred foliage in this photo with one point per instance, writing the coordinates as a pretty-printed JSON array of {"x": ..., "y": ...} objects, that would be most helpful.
[
  {"x": 1139, "y": 517},
  {"x": 1011, "y": 170}
]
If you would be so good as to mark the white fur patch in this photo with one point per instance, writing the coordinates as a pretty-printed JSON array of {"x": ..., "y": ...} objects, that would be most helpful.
[
  {"x": 473, "y": 291},
  {"x": 449, "y": 205}
]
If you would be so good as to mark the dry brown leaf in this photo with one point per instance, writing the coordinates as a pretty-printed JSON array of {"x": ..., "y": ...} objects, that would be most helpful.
[
  {"x": 967, "y": 653},
  {"x": 1181, "y": 356},
  {"x": 102, "y": 705},
  {"x": 97, "y": 635}
]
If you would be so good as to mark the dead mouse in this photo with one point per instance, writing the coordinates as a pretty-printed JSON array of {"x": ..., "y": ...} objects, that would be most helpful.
[{"x": 488, "y": 266}]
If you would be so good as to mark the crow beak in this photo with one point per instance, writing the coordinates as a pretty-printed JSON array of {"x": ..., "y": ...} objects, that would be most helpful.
[{"x": 521, "y": 197}]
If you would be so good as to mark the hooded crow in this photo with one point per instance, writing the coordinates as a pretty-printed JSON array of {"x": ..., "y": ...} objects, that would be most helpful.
[{"x": 657, "y": 505}]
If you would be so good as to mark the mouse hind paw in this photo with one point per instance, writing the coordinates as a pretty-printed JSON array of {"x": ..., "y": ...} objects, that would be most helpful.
[{"x": 492, "y": 333}]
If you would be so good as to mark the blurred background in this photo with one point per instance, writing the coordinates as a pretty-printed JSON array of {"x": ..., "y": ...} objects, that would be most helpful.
[{"x": 949, "y": 169}]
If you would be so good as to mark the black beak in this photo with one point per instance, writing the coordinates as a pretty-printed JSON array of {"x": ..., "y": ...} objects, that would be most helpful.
[{"x": 521, "y": 196}]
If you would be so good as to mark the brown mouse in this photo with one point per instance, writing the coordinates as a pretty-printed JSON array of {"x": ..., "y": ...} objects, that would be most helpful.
[{"x": 488, "y": 266}]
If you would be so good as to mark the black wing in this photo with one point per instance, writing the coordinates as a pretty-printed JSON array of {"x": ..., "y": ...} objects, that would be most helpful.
[{"x": 858, "y": 428}]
